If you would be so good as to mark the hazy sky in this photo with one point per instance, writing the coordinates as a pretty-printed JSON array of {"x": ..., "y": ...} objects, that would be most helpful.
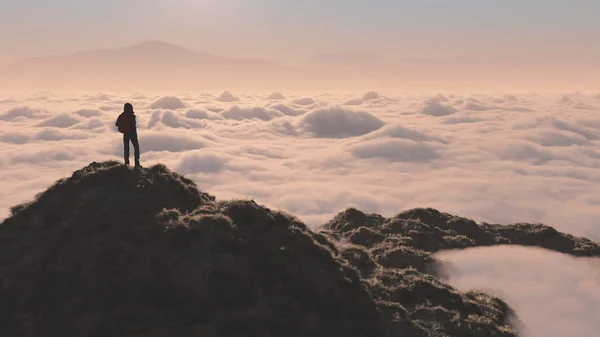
[{"x": 289, "y": 30}]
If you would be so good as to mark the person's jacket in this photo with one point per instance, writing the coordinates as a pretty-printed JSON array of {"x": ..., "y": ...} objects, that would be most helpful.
[{"x": 131, "y": 119}]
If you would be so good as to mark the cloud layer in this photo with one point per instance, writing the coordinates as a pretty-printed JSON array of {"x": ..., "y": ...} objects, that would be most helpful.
[
  {"x": 500, "y": 159},
  {"x": 338, "y": 122},
  {"x": 554, "y": 295},
  {"x": 496, "y": 158}
]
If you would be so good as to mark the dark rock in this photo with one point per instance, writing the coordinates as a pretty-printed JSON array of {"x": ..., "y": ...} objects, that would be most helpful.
[
  {"x": 396, "y": 322},
  {"x": 352, "y": 219},
  {"x": 427, "y": 216},
  {"x": 112, "y": 251},
  {"x": 365, "y": 237},
  {"x": 406, "y": 274},
  {"x": 404, "y": 257},
  {"x": 360, "y": 259}
]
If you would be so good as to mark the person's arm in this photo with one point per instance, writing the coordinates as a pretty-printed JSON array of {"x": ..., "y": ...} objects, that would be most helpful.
[{"x": 134, "y": 125}]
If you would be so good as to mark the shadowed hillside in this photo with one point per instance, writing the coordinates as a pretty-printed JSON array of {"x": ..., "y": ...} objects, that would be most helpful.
[
  {"x": 117, "y": 252},
  {"x": 395, "y": 258},
  {"x": 112, "y": 251}
]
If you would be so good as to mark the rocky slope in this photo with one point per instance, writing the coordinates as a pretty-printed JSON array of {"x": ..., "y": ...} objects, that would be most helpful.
[
  {"x": 394, "y": 257},
  {"x": 112, "y": 251}
]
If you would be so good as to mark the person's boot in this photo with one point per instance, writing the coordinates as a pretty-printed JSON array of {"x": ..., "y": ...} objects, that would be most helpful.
[{"x": 138, "y": 166}]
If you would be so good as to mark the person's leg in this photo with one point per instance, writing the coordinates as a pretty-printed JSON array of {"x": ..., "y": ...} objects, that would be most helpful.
[
  {"x": 126, "y": 148},
  {"x": 136, "y": 149}
]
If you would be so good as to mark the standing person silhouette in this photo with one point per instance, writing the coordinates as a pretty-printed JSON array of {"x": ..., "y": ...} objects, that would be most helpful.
[{"x": 127, "y": 126}]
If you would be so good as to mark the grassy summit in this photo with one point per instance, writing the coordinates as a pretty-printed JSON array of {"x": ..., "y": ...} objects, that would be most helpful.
[{"x": 112, "y": 251}]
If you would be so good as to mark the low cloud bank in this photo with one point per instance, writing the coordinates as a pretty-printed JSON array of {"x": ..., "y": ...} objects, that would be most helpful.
[
  {"x": 202, "y": 163},
  {"x": 336, "y": 122},
  {"x": 60, "y": 121},
  {"x": 304, "y": 101},
  {"x": 227, "y": 97},
  {"x": 553, "y": 294},
  {"x": 23, "y": 112},
  {"x": 433, "y": 108},
  {"x": 396, "y": 150},
  {"x": 168, "y": 103},
  {"x": 276, "y": 96},
  {"x": 242, "y": 113}
]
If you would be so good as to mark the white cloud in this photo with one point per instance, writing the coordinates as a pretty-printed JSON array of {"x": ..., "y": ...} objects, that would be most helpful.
[
  {"x": 433, "y": 108},
  {"x": 590, "y": 123},
  {"x": 529, "y": 159},
  {"x": 110, "y": 108},
  {"x": 523, "y": 151},
  {"x": 370, "y": 96},
  {"x": 99, "y": 97},
  {"x": 554, "y": 295},
  {"x": 472, "y": 106},
  {"x": 214, "y": 109},
  {"x": 241, "y": 113},
  {"x": 284, "y": 127},
  {"x": 91, "y": 124},
  {"x": 557, "y": 138},
  {"x": 400, "y": 131},
  {"x": 158, "y": 142},
  {"x": 154, "y": 119},
  {"x": 338, "y": 122},
  {"x": 173, "y": 120},
  {"x": 60, "y": 121},
  {"x": 460, "y": 119},
  {"x": 42, "y": 156},
  {"x": 304, "y": 101},
  {"x": 202, "y": 163},
  {"x": 584, "y": 106},
  {"x": 287, "y": 110},
  {"x": 226, "y": 96},
  {"x": 396, "y": 150},
  {"x": 168, "y": 103},
  {"x": 22, "y": 112},
  {"x": 197, "y": 114},
  {"x": 439, "y": 98},
  {"x": 276, "y": 96},
  {"x": 14, "y": 138},
  {"x": 354, "y": 101},
  {"x": 582, "y": 131},
  {"x": 58, "y": 134},
  {"x": 9, "y": 101},
  {"x": 89, "y": 113}
]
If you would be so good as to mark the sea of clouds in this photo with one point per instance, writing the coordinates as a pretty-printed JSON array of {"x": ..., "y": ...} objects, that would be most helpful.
[
  {"x": 496, "y": 158},
  {"x": 553, "y": 294}
]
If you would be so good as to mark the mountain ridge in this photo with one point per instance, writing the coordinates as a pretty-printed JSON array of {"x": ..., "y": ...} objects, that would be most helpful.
[
  {"x": 158, "y": 65},
  {"x": 115, "y": 251},
  {"x": 147, "y": 47},
  {"x": 150, "y": 64}
]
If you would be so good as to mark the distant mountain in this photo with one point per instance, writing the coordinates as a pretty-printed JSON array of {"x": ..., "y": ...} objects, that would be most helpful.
[
  {"x": 156, "y": 65},
  {"x": 152, "y": 52},
  {"x": 151, "y": 61}
]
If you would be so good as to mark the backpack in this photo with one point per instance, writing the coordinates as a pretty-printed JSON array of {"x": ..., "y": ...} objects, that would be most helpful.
[{"x": 124, "y": 122}]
